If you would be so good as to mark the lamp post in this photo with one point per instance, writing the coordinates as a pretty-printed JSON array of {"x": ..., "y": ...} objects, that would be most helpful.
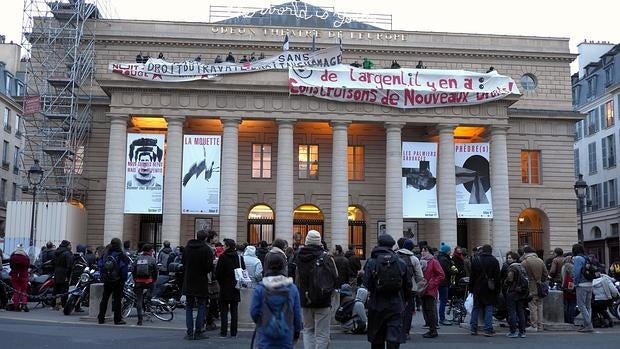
[
  {"x": 581, "y": 189},
  {"x": 35, "y": 176}
]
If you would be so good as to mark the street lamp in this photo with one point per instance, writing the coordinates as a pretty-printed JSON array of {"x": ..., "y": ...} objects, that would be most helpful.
[
  {"x": 35, "y": 176},
  {"x": 581, "y": 189}
]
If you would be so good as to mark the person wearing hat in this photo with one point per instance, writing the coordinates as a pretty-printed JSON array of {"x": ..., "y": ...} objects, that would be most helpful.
[
  {"x": 413, "y": 263},
  {"x": 276, "y": 291},
  {"x": 19, "y": 262},
  {"x": 63, "y": 261},
  {"x": 385, "y": 306},
  {"x": 316, "y": 310},
  {"x": 443, "y": 256}
]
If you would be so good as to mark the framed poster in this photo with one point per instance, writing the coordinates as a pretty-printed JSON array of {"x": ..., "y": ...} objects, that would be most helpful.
[
  {"x": 205, "y": 224},
  {"x": 419, "y": 166},
  {"x": 381, "y": 228},
  {"x": 200, "y": 193},
  {"x": 410, "y": 230},
  {"x": 144, "y": 179}
]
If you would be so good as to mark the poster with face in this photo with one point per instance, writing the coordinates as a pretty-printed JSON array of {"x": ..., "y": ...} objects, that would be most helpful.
[
  {"x": 419, "y": 164},
  {"x": 473, "y": 180},
  {"x": 201, "y": 174},
  {"x": 144, "y": 176}
]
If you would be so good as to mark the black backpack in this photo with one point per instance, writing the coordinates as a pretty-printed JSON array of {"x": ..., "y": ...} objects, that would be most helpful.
[
  {"x": 521, "y": 282},
  {"x": 143, "y": 267},
  {"x": 322, "y": 282},
  {"x": 387, "y": 273},
  {"x": 344, "y": 313},
  {"x": 589, "y": 270},
  {"x": 111, "y": 271}
]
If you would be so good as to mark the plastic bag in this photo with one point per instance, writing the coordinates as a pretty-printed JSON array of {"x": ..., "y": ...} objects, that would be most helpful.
[{"x": 469, "y": 302}]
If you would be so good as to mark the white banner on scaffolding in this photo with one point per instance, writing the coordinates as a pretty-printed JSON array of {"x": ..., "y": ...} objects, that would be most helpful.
[
  {"x": 473, "y": 180},
  {"x": 144, "y": 179},
  {"x": 201, "y": 174}
]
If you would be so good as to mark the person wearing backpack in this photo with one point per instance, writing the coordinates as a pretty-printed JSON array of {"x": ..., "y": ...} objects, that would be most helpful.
[
  {"x": 163, "y": 256},
  {"x": 517, "y": 293},
  {"x": 352, "y": 311},
  {"x": 568, "y": 289},
  {"x": 386, "y": 278},
  {"x": 113, "y": 267},
  {"x": 583, "y": 286},
  {"x": 144, "y": 271},
  {"x": 276, "y": 308},
  {"x": 537, "y": 274},
  {"x": 316, "y": 280},
  {"x": 485, "y": 285},
  {"x": 414, "y": 270}
]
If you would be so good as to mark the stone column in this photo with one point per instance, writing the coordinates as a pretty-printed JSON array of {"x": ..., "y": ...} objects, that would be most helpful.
[
  {"x": 446, "y": 185},
  {"x": 340, "y": 184},
  {"x": 393, "y": 180},
  {"x": 284, "y": 181},
  {"x": 229, "y": 179},
  {"x": 115, "y": 180},
  {"x": 171, "y": 220},
  {"x": 500, "y": 225}
]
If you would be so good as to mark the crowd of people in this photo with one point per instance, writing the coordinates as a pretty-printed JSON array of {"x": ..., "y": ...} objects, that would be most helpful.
[{"x": 298, "y": 291}]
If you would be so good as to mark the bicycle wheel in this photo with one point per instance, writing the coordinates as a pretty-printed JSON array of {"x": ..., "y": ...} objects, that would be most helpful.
[
  {"x": 162, "y": 312},
  {"x": 127, "y": 305}
]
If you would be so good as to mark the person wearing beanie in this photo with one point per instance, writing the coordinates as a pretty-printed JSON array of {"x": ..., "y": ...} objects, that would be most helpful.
[
  {"x": 414, "y": 270},
  {"x": 443, "y": 256},
  {"x": 315, "y": 303},
  {"x": 386, "y": 304},
  {"x": 113, "y": 252},
  {"x": 230, "y": 296},
  {"x": 19, "y": 262},
  {"x": 270, "y": 294}
]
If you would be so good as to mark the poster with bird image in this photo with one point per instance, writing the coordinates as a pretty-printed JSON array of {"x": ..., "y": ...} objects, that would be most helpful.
[{"x": 200, "y": 185}]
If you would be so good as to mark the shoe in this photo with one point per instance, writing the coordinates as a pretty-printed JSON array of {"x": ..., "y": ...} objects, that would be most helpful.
[
  {"x": 585, "y": 330},
  {"x": 473, "y": 332},
  {"x": 211, "y": 327},
  {"x": 489, "y": 333},
  {"x": 223, "y": 335},
  {"x": 100, "y": 321},
  {"x": 122, "y": 322},
  {"x": 189, "y": 337},
  {"x": 531, "y": 329},
  {"x": 522, "y": 335},
  {"x": 139, "y": 323},
  {"x": 430, "y": 334},
  {"x": 79, "y": 310},
  {"x": 425, "y": 326},
  {"x": 446, "y": 322},
  {"x": 25, "y": 308},
  {"x": 512, "y": 335},
  {"x": 200, "y": 335}
]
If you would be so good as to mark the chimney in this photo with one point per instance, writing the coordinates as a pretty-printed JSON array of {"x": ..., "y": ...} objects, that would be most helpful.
[{"x": 2, "y": 38}]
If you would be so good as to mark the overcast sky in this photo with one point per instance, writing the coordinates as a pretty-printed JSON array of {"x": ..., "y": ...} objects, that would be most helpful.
[{"x": 547, "y": 18}]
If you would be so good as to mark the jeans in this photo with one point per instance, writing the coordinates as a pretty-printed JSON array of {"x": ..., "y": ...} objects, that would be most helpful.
[
  {"x": 536, "y": 312},
  {"x": 516, "y": 314},
  {"x": 139, "y": 291},
  {"x": 407, "y": 317},
  {"x": 193, "y": 302},
  {"x": 584, "y": 302},
  {"x": 114, "y": 289},
  {"x": 316, "y": 327},
  {"x": 443, "y": 300},
  {"x": 488, "y": 317},
  {"x": 569, "y": 310},
  {"x": 429, "y": 308},
  {"x": 234, "y": 317}
]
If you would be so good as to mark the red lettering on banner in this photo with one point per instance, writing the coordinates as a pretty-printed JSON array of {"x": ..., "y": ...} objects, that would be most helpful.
[
  {"x": 327, "y": 76},
  {"x": 390, "y": 98}
]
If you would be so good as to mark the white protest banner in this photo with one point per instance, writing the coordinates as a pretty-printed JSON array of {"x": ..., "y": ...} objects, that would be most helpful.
[
  {"x": 201, "y": 174},
  {"x": 473, "y": 180},
  {"x": 400, "y": 88},
  {"x": 419, "y": 162},
  {"x": 162, "y": 71},
  {"x": 144, "y": 179}
]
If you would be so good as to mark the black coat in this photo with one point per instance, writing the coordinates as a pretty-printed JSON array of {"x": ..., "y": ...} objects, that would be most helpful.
[
  {"x": 306, "y": 258},
  {"x": 197, "y": 263},
  {"x": 344, "y": 269},
  {"x": 225, "y": 275},
  {"x": 63, "y": 261},
  {"x": 484, "y": 267}
]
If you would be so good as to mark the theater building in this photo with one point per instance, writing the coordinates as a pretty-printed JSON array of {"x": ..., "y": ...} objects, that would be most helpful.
[{"x": 275, "y": 164}]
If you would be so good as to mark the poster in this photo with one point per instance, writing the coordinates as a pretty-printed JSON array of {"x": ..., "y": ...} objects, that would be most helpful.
[
  {"x": 419, "y": 182},
  {"x": 200, "y": 193},
  {"x": 473, "y": 180},
  {"x": 144, "y": 176}
]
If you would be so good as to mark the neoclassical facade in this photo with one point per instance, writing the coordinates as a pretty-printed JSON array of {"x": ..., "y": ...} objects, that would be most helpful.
[{"x": 352, "y": 187}]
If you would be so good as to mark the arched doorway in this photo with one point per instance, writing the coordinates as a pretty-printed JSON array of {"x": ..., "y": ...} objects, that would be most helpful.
[
  {"x": 531, "y": 227},
  {"x": 306, "y": 217},
  {"x": 357, "y": 231},
  {"x": 261, "y": 224}
]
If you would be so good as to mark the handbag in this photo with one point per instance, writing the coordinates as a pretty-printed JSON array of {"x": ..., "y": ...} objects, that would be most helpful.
[
  {"x": 242, "y": 277},
  {"x": 542, "y": 288}
]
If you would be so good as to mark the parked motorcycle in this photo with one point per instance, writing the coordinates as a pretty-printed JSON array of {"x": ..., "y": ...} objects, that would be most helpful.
[
  {"x": 79, "y": 293},
  {"x": 40, "y": 287},
  {"x": 168, "y": 287}
]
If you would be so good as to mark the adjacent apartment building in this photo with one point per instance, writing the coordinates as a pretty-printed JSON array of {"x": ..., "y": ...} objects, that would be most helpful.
[{"x": 596, "y": 93}]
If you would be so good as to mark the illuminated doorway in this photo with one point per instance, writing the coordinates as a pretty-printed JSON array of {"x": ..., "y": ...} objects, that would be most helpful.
[
  {"x": 306, "y": 217},
  {"x": 531, "y": 226},
  {"x": 261, "y": 225},
  {"x": 357, "y": 231}
]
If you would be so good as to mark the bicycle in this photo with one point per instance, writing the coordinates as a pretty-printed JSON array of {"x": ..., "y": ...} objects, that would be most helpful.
[
  {"x": 455, "y": 308},
  {"x": 151, "y": 306}
]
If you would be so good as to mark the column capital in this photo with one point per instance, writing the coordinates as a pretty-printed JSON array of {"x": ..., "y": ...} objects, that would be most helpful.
[
  {"x": 117, "y": 116},
  {"x": 335, "y": 124},
  {"x": 498, "y": 129},
  {"x": 175, "y": 120},
  {"x": 230, "y": 120},
  {"x": 446, "y": 127},
  {"x": 394, "y": 125},
  {"x": 284, "y": 122}
]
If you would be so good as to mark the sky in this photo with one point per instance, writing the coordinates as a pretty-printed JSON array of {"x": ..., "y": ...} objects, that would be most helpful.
[{"x": 544, "y": 18}]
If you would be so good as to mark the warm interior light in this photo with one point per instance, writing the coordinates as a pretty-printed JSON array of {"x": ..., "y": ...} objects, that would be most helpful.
[
  {"x": 521, "y": 219},
  {"x": 149, "y": 122},
  {"x": 468, "y": 132},
  {"x": 261, "y": 212}
]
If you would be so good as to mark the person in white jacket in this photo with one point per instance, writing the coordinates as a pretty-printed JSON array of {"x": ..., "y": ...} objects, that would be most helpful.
[
  {"x": 253, "y": 265},
  {"x": 603, "y": 291}
]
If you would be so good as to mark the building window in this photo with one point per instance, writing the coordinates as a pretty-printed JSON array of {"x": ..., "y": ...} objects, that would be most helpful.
[
  {"x": 576, "y": 94},
  {"x": 18, "y": 128},
  {"x": 3, "y": 192},
  {"x": 5, "y": 155},
  {"x": 609, "y": 114},
  {"x": 14, "y": 192},
  {"x": 308, "y": 161},
  {"x": 577, "y": 165},
  {"x": 261, "y": 160},
  {"x": 530, "y": 166},
  {"x": 610, "y": 195},
  {"x": 7, "y": 116},
  {"x": 579, "y": 130},
  {"x": 609, "y": 75},
  {"x": 592, "y": 158},
  {"x": 7, "y": 83},
  {"x": 592, "y": 86},
  {"x": 355, "y": 158},
  {"x": 529, "y": 82},
  {"x": 16, "y": 158},
  {"x": 614, "y": 227},
  {"x": 595, "y": 196},
  {"x": 592, "y": 120},
  {"x": 608, "y": 147}
]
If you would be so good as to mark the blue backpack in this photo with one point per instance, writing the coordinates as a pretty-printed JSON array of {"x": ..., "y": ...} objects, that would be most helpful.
[{"x": 276, "y": 314}]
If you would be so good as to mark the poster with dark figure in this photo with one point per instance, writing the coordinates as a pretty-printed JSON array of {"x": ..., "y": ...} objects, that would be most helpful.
[
  {"x": 201, "y": 174},
  {"x": 144, "y": 173},
  {"x": 473, "y": 180},
  {"x": 419, "y": 168}
]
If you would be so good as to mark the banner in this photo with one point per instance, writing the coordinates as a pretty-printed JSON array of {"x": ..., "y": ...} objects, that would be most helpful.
[
  {"x": 419, "y": 182},
  {"x": 160, "y": 70},
  {"x": 144, "y": 179},
  {"x": 400, "y": 88},
  {"x": 473, "y": 180},
  {"x": 201, "y": 174}
]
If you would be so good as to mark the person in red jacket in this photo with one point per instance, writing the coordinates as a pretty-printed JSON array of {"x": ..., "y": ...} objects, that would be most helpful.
[
  {"x": 20, "y": 263},
  {"x": 434, "y": 275}
]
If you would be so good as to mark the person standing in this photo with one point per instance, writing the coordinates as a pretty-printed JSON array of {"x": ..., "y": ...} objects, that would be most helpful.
[
  {"x": 113, "y": 267},
  {"x": 145, "y": 274},
  {"x": 443, "y": 257},
  {"x": 537, "y": 273},
  {"x": 387, "y": 280},
  {"x": 415, "y": 271},
  {"x": 555, "y": 272},
  {"x": 517, "y": 293},
  {"x": 568, "y": 290},
  {"x": 583, "y": 288},
  {"x": 63, "y": 261},
  {"x": 229, "y": 294},
  {"x": 433, "y": 274},
  {"x": 253, "y": 265},
  {"x": 198, "y": 263},
  {"x": 163, "y": 256},
  {"x": 315, "y": 304},
  {"x": 485, "y": 285},
  {"x": 20, "y": 263}
]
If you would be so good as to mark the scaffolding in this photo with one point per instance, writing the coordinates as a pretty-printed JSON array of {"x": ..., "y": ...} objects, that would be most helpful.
[{"x": 59, "y": 40}]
